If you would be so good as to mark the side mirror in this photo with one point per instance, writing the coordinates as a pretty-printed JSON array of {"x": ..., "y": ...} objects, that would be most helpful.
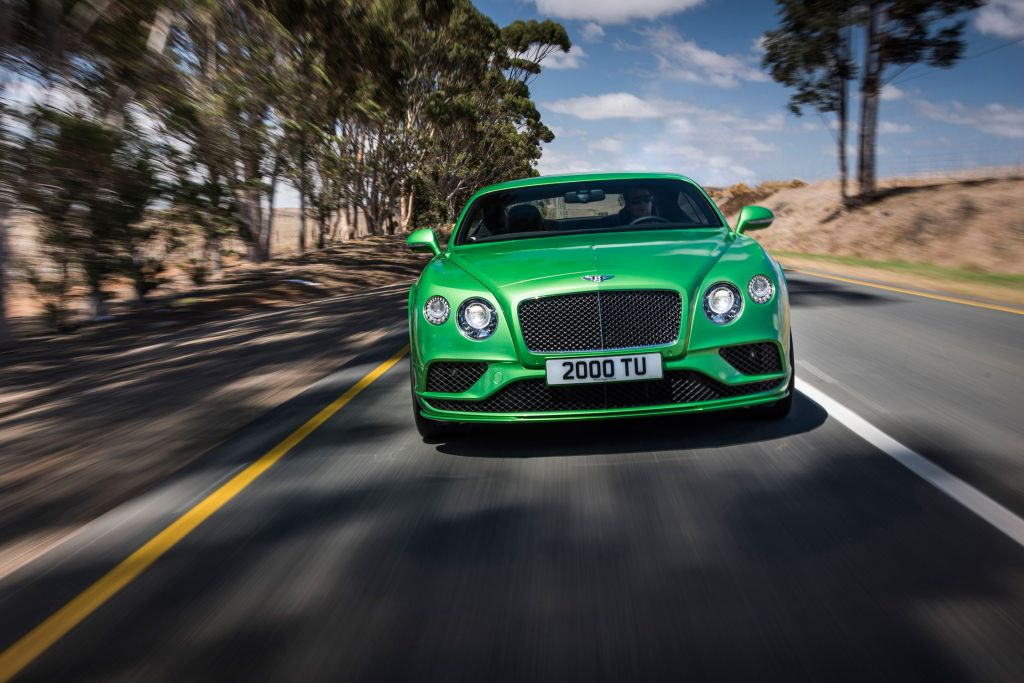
[
  {"x": 425, "y": 241},
  {"x": 754, "y": 218}
]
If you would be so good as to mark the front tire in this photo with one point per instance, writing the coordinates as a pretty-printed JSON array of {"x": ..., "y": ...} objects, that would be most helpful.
[
  {"x": 781, "y": 408},
  {"x": 430, "y": 430}
]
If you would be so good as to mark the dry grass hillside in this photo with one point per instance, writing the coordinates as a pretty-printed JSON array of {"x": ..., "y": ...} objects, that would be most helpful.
[{"x": 975, "y": 224}]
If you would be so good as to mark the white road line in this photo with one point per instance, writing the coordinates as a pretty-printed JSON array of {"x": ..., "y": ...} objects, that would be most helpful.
[{"x": 957, "y": 489}]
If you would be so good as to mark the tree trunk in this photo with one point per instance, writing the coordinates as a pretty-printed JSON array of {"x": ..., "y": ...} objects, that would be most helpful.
[
  {"x": 870, "y": 85},
  {"x": 252, "y": 211},
  {"x": 267, "y": 233},
  {"x": 6, "y": 335},
  {"x": 844, "y": 55},
  {"x": 405, "y": 210},
  {"x": 302, "y": 215},
  {"x": 321, "y": 238},
  {"x": 213, "y": 255}
]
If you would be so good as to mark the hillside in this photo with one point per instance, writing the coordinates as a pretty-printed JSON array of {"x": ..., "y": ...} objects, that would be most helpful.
[{"x": 971, "y": 224}]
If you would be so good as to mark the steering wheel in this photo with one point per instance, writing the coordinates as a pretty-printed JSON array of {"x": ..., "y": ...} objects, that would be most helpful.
[{"x": 644, "y": 219}]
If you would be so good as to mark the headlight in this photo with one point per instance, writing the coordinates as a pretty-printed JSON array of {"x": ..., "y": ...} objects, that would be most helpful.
[
  {"x": 436, "y": 310},
  {"x": 477, "y": 319},
  {"x": 722, "y": 303},
  {"x": 760, "y": 289}
]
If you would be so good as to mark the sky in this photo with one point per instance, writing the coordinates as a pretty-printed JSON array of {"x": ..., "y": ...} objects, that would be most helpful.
[{"x": 677, "y": 85}]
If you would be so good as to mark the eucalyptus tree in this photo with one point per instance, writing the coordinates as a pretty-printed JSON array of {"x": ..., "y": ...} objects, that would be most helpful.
[
  {"x": 93, "y": 62},
  {"x": 485, "y": 126},
  {"x": 811, "y": 53},
  {"x": 897, "y": 35}
]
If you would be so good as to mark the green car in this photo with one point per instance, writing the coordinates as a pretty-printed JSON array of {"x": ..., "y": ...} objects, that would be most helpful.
[{"x": 597, "y": 296}]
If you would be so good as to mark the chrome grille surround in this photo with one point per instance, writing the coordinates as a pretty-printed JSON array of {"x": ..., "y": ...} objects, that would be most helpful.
[
  {"x": 601, "y": 320},
  {"x": 536, "y": 396}
]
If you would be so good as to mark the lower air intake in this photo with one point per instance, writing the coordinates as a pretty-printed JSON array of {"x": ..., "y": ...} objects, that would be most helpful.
[{"x": 536, "y": 396}]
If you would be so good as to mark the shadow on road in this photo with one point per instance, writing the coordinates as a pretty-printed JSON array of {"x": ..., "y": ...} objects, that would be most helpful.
[
  {"x": 602, "y": 437},
  {"x": 810, "y": 293}
]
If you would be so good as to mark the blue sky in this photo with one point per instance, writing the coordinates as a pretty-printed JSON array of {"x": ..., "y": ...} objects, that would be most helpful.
[{"x": 677, "y": 85}]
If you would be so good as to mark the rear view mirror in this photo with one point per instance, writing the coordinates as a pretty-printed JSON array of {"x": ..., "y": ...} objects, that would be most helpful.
[
  {"x": 754, "y": 218},
  {"x": 424, "y": 241},
  {"x": 584, "y": 196}
]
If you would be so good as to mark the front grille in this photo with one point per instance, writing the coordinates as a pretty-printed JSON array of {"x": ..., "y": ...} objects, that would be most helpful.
[
  {"x": 535, "y": 395},
  {"x": 753, "y": 359},
  {"x": 601, "y": 321},
  {"x": 454, "y": 378}
]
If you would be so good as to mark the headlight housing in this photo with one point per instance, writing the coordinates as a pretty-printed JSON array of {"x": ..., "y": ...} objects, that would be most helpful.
[
  {"x": 436, "y": 310},
  {"x": 477, "y": 318},
  {"x": 722, "y": 303},
  {"x": 760, "y": 289}
]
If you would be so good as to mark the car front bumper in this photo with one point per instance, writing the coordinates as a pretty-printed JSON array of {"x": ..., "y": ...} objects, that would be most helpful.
[{"x": 509, "y": 392}]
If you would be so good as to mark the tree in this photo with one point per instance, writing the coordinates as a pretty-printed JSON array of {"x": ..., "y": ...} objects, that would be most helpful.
[
  {"x": 897, "y": 35},
  {"x": 811, "y": 53}
]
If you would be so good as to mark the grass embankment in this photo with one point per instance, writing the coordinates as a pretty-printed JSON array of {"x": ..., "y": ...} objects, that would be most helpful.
[
  {"x": 996, "y": 287},
  {"x": 958, "y": 236}
]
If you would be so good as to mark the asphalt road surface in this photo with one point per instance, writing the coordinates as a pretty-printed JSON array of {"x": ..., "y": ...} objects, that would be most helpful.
[{"x": 682, "y": 548}]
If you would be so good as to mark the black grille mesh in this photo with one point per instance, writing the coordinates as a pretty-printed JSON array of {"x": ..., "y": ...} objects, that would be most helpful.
[
  {"x": 599, "y": 321},
  {"x": 753, "y": 359},
  {"x": 453, "y": 378},
  {"x": 535, "y": 395}
]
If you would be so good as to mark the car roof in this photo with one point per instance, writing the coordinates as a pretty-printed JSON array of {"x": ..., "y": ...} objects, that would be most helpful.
[{"x": 578, "y": 178}]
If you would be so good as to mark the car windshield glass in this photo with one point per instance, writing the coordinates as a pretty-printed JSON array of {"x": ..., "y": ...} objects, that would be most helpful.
[{"x": 598, "y": 206}]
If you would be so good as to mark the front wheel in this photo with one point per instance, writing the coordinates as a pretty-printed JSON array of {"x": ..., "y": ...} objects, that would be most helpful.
[
  {"x": 780, "y": 409},
  {"x": 431, "y": 430}
]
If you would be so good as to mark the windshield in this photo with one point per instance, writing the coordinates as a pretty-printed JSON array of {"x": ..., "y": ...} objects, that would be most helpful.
[{"x": 612, "y": 205}]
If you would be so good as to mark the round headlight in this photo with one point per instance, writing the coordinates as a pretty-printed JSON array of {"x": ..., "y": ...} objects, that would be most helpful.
[
  {"x": 477, "y": 319},
  {"x": 722, "y": 303},
  {"x": 436, "y": 310},
  {"x": 761, "y": 289}
]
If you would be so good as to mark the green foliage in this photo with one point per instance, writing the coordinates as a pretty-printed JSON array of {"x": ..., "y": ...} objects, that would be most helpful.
[{"x": 393, "y": 108}]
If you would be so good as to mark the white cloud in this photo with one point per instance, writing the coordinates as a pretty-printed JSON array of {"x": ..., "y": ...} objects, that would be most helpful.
[
  {"x": 890, "y": 127},
  {"x": 619, "y": 105},
  {"x": 572, "y": 59},
  {"x": 608, "y": 145},
  {"x": 568, "y": 132},
  {"x": 711, "y": 146},
  {"x": 757, "y": 47},
  {"x": 685, "y": 60},
  {"x": 995, "y": 119},
  {"x": 554, "y": 162},
  {"x": 1003, "y": 18},
  {"x": 810, "y": 126},
  {"x": 612, "y": 11},
  {"x": 592, "y": 32},
  {"x": 891, "y": 92}
]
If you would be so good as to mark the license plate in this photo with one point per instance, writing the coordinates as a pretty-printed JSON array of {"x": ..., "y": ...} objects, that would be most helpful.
[{"x": 604, "y": 369}]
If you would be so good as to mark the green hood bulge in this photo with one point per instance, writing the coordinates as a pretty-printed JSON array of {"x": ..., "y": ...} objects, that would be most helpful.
[{"x": 670, "y": 259}]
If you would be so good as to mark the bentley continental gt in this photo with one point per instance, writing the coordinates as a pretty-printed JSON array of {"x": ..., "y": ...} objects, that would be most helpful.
[{"x": 597, "y": 296}]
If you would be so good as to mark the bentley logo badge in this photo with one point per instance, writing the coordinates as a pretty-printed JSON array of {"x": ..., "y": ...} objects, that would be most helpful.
[{"x": 598, "y": 278}]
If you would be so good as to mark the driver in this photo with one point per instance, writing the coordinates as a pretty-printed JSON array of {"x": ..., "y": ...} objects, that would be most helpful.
[{"x": 639, "y": 203}]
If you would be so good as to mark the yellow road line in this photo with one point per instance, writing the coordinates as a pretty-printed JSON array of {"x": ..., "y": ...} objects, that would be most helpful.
[
  {"x": 38, "y": 640},
  {"x": 937, "y": 297}
]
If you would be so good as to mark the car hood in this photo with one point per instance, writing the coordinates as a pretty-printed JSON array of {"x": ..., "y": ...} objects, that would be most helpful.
[{"x": 673, "y": 259}]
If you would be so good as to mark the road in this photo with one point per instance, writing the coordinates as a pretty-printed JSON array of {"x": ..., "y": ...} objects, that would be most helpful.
[{"x": 686, "y": 548}]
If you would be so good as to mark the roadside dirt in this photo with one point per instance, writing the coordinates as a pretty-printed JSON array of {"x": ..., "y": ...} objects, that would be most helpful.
[
  {"x": 90, "y": 419},
  {"x": 975, "y": 224}
]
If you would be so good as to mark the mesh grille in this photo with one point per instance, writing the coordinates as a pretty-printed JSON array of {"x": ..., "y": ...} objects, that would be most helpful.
[
  {"x": 454, "y": 378},
  {"x": 535, "y": 395},
  {"x": 753, "y": 359},
  {"x": 601, "y": 321}
]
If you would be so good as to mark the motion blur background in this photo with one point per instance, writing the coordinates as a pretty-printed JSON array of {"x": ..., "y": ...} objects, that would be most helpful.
[
  {"x": 149, "y": 145},
  {"x": 203, "y": 207}
]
